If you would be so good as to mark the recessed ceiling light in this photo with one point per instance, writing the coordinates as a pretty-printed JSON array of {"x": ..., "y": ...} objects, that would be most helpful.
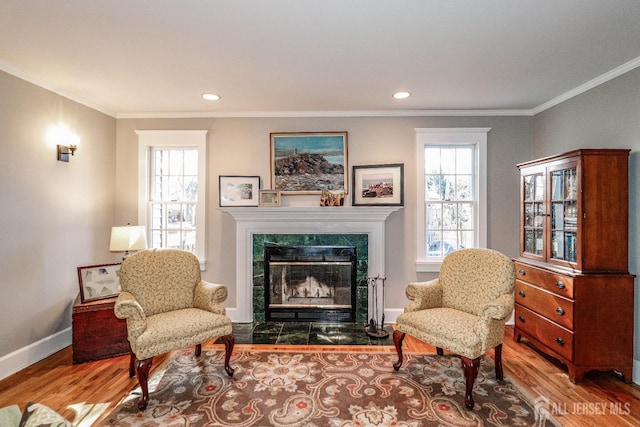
[
  {"x": 401, "y": 95},
  {"x": 211, "y": 96}
]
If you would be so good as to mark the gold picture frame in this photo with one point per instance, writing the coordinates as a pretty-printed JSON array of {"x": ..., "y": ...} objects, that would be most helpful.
[{"x": 309, "y": 162}]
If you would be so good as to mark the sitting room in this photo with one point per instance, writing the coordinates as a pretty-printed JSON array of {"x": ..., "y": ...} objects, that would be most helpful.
[{"x": 329, "y": 213}]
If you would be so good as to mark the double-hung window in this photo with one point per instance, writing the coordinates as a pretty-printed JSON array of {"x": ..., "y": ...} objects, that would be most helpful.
[
  {"x": 451, "y": 193},
  {"x": 171, "y": 187}
]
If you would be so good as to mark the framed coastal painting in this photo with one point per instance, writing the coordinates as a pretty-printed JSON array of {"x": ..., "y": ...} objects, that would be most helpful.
[
  {"x": 378, "y": 185},
  {"x": 309, "y": 162},
  {"x": 239, "y": 190},
  {"x": 99, "y": 281}
]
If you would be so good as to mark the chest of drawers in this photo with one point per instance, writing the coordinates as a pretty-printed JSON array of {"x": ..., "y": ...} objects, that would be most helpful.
[{"x": 583, "y": 320}]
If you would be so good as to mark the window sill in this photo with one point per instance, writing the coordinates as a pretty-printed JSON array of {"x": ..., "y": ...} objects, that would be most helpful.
[{"x": 431, "y": 266}]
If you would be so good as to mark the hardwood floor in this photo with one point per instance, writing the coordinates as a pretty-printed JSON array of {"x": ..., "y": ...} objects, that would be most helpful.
[{"x": 90, "y": 390}]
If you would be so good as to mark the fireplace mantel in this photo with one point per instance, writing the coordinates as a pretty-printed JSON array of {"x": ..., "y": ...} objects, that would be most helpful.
[
  {"x": 313, "y": 214},
  {"x": 368, "y": 220}
]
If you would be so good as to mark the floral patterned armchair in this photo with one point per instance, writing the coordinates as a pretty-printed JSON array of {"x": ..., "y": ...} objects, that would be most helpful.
[
  {"x": 464, "y": 310},
  {"x": 169, "y": 307}
]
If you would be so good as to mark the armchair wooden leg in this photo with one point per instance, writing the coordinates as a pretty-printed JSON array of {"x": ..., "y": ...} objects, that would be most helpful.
[
  {"x": 498, "y": 358},
  {"x": 439, "y": 351},
  {"x": 471, "y": 368},
  {"x": 142, "y": 371},
  {"x": 229, "y": 342},
  {"x": 132, "y": 365},
  {"x": 198, "y": 350},
  {"x": 398, "y": 337}
]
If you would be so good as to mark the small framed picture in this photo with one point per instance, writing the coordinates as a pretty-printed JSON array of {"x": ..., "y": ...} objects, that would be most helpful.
[
  {"x": 378, "y": 185},
  {"x": 99, "y": 281},
  {"x": 239, "y": 190},
  {"x": 269, "y": 198}
]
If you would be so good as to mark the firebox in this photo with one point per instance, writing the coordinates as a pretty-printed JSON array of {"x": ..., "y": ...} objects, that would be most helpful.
[{"x": 310, "y": 283}]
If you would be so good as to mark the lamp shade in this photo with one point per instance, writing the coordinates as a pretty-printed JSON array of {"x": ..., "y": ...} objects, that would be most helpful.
[{"x": 128, "y": 238}]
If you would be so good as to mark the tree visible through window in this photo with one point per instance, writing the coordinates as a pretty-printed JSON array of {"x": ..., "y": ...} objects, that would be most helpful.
[
  {"x": 449, "y": 199},
  {"x": 173, "y": 198}
]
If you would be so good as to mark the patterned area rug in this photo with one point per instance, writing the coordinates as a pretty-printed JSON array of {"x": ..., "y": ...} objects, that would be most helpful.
[{"x": 338, "y": 389}]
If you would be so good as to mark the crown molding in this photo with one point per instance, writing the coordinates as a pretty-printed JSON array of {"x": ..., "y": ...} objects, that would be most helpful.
[
  {"x": 298, "y": 114},
  {"x": 616, "y": 72}
]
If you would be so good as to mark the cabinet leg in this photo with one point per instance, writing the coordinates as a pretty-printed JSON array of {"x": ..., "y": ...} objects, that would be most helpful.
[{"x": 627, "y": 375}]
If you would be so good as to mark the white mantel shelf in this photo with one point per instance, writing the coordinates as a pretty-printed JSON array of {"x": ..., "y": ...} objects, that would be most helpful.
[
  {"x": 368, "y": 220},
  {"x": 306, "y": 214}
]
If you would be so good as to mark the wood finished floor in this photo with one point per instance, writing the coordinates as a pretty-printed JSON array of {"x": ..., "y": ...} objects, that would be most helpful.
[{"x": 95, "y": 388}]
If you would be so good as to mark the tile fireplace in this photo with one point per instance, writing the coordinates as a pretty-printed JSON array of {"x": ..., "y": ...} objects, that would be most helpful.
[{"x": 257, "y": 226}]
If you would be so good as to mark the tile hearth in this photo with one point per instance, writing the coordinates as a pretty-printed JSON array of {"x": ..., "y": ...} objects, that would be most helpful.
[{"x": 302, "y": 333}]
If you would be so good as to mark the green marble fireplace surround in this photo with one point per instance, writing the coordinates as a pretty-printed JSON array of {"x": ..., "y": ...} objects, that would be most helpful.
[
  {"x": 361, "y": 226},
  {"x": 360, "y": 241}
]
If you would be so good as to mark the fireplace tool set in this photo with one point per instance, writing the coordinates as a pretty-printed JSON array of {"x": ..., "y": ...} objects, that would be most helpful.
[{"x": 373, "y": 329}]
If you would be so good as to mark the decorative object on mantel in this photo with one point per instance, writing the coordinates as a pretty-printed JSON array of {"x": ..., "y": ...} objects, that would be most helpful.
[
  {"x": 270, "y": 198},
  {"x": 373, "y": 329},
  {"x": 98, "y": 281},
  {"x": 332, "y": 198},
  {"x": 309, "y": 162},
  {"x": 378, "y": 185},
  {"x": 239, "y": 190}
]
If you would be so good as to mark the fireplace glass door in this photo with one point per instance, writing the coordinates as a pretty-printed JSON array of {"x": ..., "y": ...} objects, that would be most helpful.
[{"x": 310, "y": 283}]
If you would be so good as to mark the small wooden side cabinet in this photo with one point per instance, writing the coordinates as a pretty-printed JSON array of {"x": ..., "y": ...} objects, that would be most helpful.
[{"x": 97, "y": 332}]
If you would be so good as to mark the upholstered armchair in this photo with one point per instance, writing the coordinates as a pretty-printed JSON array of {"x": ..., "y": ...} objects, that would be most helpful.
[
  {"x": 464, "y": 310},
  {"x": 169, "y": 307}
]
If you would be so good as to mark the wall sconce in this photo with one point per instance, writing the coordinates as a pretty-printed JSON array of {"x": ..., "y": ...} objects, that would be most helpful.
[
  {"x": 65, "y": 140},
  {"x": 128, "y": 238},
  {"x": 64, "y": 151}
]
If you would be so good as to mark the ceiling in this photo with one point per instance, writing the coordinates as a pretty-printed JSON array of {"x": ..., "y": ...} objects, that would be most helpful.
[{"x": 149, "y": 58}]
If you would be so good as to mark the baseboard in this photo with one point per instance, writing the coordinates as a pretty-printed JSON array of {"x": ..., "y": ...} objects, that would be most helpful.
[{"x": 26, "y": 356}]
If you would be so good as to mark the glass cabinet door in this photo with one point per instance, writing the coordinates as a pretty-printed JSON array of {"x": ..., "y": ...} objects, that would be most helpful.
[
  {"x": 564, "y": 214},
  {"x": 533, "y": 221}
]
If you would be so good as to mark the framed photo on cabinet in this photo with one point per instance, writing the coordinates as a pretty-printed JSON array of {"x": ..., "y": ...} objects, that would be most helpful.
[{"x": 99, "y": 281}]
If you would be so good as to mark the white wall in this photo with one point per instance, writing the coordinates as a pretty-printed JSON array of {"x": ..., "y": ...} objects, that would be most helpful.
[{"x": 55, "y": 217}]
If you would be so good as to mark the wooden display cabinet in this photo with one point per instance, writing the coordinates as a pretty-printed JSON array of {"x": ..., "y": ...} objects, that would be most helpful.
[
  {"x": 574, "y": 295},
  {"x": 97, "y": 332}
]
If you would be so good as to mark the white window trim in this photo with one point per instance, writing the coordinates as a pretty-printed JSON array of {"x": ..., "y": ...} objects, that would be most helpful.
[
  {"x": 176, "y": 139},
  {"x": 444, "y": 136}
]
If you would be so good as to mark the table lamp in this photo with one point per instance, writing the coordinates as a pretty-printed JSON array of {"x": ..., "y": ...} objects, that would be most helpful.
[{"x": 128, "y": 238}]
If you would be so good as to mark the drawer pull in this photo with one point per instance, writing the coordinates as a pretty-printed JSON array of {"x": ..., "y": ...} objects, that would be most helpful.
[
  {"x": 521, "y": 293},
  {"x": 521, "y": 318},
  {"x": 522, "y": 272},
  {"x": 560, "y": 341},
  {"x": 560, "y": 311},
  {"x": 560, "y": 285}
]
